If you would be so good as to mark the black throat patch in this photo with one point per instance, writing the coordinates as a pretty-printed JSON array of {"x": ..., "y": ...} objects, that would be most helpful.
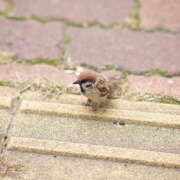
[{"x": 83, "y": 81}]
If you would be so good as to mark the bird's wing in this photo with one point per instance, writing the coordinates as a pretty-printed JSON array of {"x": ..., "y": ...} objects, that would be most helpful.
[{"x": 101, "y": 85}]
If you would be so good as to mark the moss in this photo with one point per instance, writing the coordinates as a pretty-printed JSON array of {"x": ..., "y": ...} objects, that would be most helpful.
[
  {"x": 5, "y": 83},
  {"x": 19, "y": 18},
  {"x": 59, "y": 86},
  {"x": 134, "y": 17},
  {"x": 159, "y": 29},
  {"x": 109, "y": 68},
  {"x": 160, "y": 98},
  {"x": 10, "y": 6},
  {"x": 156, "y": 72},
  {"x": 160, "y": 72},
  {"x": 54, "y": 62},
  {"x": 63, "y": 48}
]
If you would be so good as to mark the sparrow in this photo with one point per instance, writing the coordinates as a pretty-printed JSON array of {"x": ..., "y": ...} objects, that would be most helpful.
[{"x": 95, "y": 87}]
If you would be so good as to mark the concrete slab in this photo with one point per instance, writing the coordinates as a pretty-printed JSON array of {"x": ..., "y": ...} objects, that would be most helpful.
[
  {"x": 30, "y": 39},
  {"x": 5, "y": 115},
  {"x": 107, "y": 114},
  {"x": 133, "y": 51},
  {"x": 5, "y": 102},
  {"x": 5, "y": 119},
  {"x": 94, "y": 151},
  {"x": 124, "y": 104},
  {"x": 8, "y": 92},
  {"x": 160, "y": 13},
  {"x": 43, "y": 167},
  {"x": 97, "y": 132},
  {"x": 79, "y": 11}
]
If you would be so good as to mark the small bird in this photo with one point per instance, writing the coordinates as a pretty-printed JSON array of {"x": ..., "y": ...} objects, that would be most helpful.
[{"x": 95, "y": 87}]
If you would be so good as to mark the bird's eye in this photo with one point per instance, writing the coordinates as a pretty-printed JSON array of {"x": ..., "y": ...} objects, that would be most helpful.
[{"x": 88, "y": 85}]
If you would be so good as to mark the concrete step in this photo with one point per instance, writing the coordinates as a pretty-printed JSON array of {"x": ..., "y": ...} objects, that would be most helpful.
[
  {"x": 124, "y": 104},
  {"x": 50, "y": 167},
  {"x": 97, "y": 132},
  {"x": 94, "y": 151},
  {"x": 73, "y": 134},
  {"x": 109, "y": 114}
]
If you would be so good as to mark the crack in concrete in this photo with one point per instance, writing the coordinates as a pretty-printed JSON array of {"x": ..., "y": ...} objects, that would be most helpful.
[{"x": 15, "y": 104}]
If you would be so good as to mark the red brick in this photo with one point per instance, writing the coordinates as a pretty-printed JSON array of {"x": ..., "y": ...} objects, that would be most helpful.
[
  {"x": 155, "y": 84},
  {"x": 2, "y": 5},
  {"x": 30, "y": 39},
  {"x": 163, "y": 13},
  {"x": 19, "y": 72},
  {"x": 79, "y": 10},
  {"x": 134, "y": 51}
]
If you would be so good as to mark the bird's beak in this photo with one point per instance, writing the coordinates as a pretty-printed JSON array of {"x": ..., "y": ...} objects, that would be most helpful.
[{"x": 77, "y": 82}]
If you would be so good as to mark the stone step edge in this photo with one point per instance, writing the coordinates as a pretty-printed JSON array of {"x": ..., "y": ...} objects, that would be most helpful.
[
  {"x": 5, "y": 102},
  {"x": 125, "y": 104},
  {"x": 52, "y": 147},
  {"x": 78, "y": 111}
]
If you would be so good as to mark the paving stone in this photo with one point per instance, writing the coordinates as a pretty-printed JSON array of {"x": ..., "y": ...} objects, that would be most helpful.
[
  {"x": 94, "y": 151},
  {"x": 80, "y": 11},
  {"x": 2, "y": 5},
  {"x": 155, "y": 84},
  {"x": 134, "y": 51},
  {"x": 5, "y": 115},
  {"x": 30, "y": 39},
  {"x": 5, "y": 102},
  {"x": 125, "y": 105},
  {"x": 160, "y": 13},
  {"x": 107, "y": 114},
  {"x": 34, "y": 73},
  {"x": 4, "y": 121},
  {"x": 97, "y": 132},
  {"x": 43, "y": 167},
  {"x": 8, "y": 92}
]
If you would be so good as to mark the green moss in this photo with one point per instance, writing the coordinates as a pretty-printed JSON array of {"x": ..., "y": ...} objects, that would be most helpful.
[
  {"x": 59, "y": 86},
  {"x": 160, "y": 98},
  {"x": 63, "y": 48},
  {"x": 134, "y": 17},
  {"x": 54, "y": 62},
  {"x": 109, "y": 68},
  {"x": 10, "y": 6},
  {"x": 40, "y": 19},
  {"x": 156, "y": 72},
  {"x": 19, "y": 18},
  {"x": 5, "y": 83},
  {"x": 83, "y": 65},
  {"x": 158, "y": 29}
]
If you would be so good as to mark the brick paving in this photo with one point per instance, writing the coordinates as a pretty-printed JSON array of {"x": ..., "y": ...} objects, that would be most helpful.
[
  {"x": 104, "y": 11},
  {"x": 34, "y": 73},
  {"x": 2, "y": 5},
  {"x": 30, "y": 39},
  {"x": 134, "y": 51},
  {"x": 155, "y": 84},
  {"x": 160, "y": 13},
  {"x": 151, "y": 129}
]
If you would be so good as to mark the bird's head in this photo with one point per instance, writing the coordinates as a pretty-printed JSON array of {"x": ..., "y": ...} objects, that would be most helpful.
[{"x": 86, "y": 80}]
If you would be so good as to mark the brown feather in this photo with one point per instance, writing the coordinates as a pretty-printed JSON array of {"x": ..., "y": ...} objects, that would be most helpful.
[
  {"x": 102, "y": 86},
  {"x": 90, "y": 75}
]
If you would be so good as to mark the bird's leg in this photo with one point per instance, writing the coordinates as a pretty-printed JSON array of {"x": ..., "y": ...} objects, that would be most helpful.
[
  {"x": 89, "y": 102},
  {"x": 96, "y": 106}
]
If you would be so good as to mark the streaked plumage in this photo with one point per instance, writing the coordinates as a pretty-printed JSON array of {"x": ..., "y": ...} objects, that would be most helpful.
[{"x": 95, "y": 87}]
